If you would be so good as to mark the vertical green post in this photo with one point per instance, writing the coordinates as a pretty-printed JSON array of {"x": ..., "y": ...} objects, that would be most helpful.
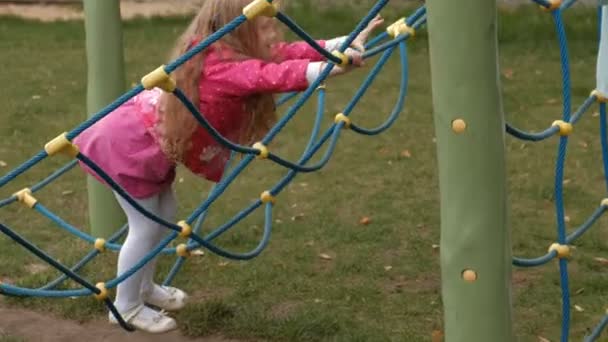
[
  {"x": 106, "y": 82},
  {"x": 469, "y": 124}
]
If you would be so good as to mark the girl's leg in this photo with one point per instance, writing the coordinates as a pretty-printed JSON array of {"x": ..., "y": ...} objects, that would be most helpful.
[
  {"x": 165, "y": 297},
  {"x": 144, "y": 234},
  {"x": 168, "y": 211}
]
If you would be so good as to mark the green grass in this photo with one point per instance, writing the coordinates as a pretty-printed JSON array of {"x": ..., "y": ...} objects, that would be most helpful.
[{"x": 289, "y": 293}]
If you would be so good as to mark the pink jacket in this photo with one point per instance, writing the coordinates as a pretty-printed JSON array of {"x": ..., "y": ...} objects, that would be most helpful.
[{"x": 224, "y": 88}]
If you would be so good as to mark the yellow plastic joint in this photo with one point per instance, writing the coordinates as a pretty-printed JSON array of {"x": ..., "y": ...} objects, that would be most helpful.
[
  {"x": 61, "y": 144},
  {"x": 159, "y": 78},
  {"x": 565, "y": 128},
  {"x": 182, "y": 251},
  {"x": 340, "y": 117},
  {"x": 103, "y": 295},
  {"x": 344, "y": 61},
  {"x": 553, "y": 5},
  {"x": 25, "y": 196},
  {"x": 260, "y": 7},
  {"x": 400, "y": 27},
  {"x": 599, "y": 96},
  {"x": 563, "y": 251},
  {"x": 605, "y": 203},
  {"x": 322, "y": 87},
  {"x": 100, "y": 245},
  {"x": 267, "y": 197},
  {"x": 263, "y": 150},
  {"x": 186, "y": 229}
]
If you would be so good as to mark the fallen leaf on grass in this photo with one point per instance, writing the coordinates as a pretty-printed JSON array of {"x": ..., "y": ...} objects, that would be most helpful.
[
  {"x": 406, "y": 154},
  {"x": 579, "y": 308},
  {"x": 437, "y": 336},
  {"x": 3, "y": 163},
  {"x": 365, "y": 221},
  {"x": 542, "y": 339},
  {"x": 603, "y": 261},
  {"x": 325, "y": 256}
]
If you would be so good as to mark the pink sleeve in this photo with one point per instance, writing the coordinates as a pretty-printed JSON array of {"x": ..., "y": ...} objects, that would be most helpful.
[
  {"x": 248, "y": 77},
  {"x": 298, "y": 50}
]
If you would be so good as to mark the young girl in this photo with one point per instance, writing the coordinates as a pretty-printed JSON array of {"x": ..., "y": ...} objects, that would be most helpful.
[{"x": 140, "y": 143}]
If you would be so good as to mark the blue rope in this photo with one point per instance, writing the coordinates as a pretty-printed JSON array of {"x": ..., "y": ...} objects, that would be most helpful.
[{"x": 559, "y": 174}]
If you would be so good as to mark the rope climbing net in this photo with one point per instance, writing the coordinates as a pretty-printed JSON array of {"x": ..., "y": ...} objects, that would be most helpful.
[
  {"x": 384, "y": 44},
  {"x": 564, "y": 127}
]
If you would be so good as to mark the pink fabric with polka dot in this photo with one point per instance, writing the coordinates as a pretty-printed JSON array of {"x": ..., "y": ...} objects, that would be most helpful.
[{"x": 125, "y": 143}]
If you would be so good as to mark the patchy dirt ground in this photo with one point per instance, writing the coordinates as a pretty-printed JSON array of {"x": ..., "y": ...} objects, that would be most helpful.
[{"x": 36, "y": 327}]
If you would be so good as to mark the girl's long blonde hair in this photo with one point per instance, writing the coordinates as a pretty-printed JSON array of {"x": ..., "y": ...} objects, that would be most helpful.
[{"x": 177, "y": 122}]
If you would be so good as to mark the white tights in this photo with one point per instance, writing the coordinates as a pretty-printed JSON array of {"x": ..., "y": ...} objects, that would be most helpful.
[{"x": 144, "y": 234}]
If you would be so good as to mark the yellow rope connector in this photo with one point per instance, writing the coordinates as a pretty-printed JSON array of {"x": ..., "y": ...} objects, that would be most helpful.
[
  {"x": 400, "y": 27},
  {"x": 260, "y": 7},
  {"x": 186, "y": 229},
  {"x": 100, "y": 245},
  {"x": 103, "y": 295},
  {"x": 263, "y": 150},
  {"x": 554, "y": 4},
  {"x": 25, "y": 196},
  {"x": 159, "y": 78},
  {"x": 344, "y": 61},
  {"x": 61, "y": 144},
  {"x": 605, "y": 203},
  {"x": 322, "y": 87},
  {"x": 182, "y": 251},
  {"x": 267, "y": 197},
  {"x": 563, "y": 251},
  {"x": 599, "y": 97},
  {"x": 565, "y": 128},
  {"x": 340, "y": 117}
]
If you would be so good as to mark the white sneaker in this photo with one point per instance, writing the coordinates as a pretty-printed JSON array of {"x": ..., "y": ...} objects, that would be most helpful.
[
  {"x": 166, "y": 297},
  {"x": 147, "y": 319}
]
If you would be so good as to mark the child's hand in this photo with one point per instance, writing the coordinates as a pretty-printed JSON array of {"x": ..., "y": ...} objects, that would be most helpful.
[
  {"x": 359, "y": 42},
  {"x": 355, "y": 56}
]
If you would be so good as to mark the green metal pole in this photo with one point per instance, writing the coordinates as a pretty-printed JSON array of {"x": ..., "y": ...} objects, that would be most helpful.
[
  {"x": 106, "y": 82},
  {"x": 469, "y": 124}
]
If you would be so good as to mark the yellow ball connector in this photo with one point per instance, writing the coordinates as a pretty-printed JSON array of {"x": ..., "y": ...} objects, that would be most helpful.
[
  {"x": 459, "y": 126},
  {"x": 399, "y": 28},
  {"x": 159, "y": 79},
  {"x": 553, "y": 5},
  {"x": 186, "y": 229},
  {"x": 344, "y": 60},
  {"x": 100, "y": 245},
  {"x": 182, "y": 251},
  {"x": 563, "y": 251},
  {"x": 340, "y": 117},
  {"x": 599, "y": 97},
  {"x": 565, "y": 128},
  {"x": 260, "y": 8},
  {"x": 266, "y": 197},
  {"x": 61, "y": 144},
  {"x": 25, "y": 197},
  {"x": 469, "y": 276},
  {"x": 264, "y": 153},
  {"x": 103, "y": 295}
]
